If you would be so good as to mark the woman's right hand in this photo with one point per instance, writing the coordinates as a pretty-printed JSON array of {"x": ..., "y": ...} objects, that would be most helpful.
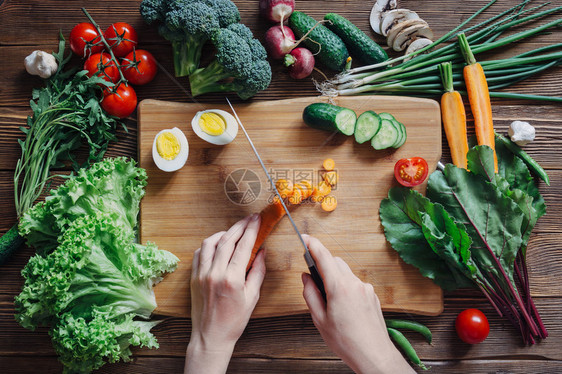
[{"x": 350, "y": 321}]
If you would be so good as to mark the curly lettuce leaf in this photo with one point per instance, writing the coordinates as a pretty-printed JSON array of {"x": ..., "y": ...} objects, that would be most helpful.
[
  {"x": 114, "y": 186},
  {"x": 86, "y": 345}
]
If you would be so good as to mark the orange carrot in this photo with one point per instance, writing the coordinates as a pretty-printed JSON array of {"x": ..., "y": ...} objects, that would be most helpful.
[
  {"x": 329, "y": 164},
  {"x": 479, "y": 97},
  {"x": 331, "y": 178},
  {"x": 270, "y": 217},
  {"x": 297, "y": 196},
  {"x": 321, "y": 190},
  {"x": 454, "y": 117},
  {"x": 329, "y": 203}
]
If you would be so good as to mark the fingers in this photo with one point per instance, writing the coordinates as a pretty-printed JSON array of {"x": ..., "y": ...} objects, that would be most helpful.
[
  {"x": 207, "y": 253},
  {"x": 256, "y": 275},
  {"x": 243, "y": 251},
  {"x": 226, "y": 244},
  {"x": 325, "y": 262},
  {"x": 314, "y": 299}
]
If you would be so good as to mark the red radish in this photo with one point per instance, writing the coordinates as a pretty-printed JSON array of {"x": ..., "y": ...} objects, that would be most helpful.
[
  {"x": 279, "y": 41},
  {"x": 300, "y": 63},
  {"x": 277, "y": 10}
]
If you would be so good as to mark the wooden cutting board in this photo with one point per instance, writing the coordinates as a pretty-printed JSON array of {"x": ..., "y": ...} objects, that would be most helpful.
[{"x": 181, "y": 209}]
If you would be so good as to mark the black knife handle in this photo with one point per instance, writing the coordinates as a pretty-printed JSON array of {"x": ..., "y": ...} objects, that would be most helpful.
[{"x": 317, "y": 280}]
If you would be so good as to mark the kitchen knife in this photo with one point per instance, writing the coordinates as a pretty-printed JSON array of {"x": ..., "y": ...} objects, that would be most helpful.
[{"x": 307, "y": 256}]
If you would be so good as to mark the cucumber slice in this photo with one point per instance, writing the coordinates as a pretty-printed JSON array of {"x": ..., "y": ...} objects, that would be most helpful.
[
  {"x": 403, "y": 136},
  {"x": 386, "y": 115},
  {"x": 330, "y": 117},
  {"x": 386, "y": 137},
  {"x": 367, "y": 126}
]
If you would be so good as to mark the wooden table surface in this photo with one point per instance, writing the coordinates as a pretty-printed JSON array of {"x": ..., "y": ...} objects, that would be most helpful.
[{"x": 284, "y": 344}]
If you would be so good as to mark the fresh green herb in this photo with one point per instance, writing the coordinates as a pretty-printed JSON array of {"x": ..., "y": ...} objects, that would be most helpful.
[
  {"x": 90, "y": 280},
  {"x": 66, "y": 114},
  {"x": 420, "y": 75},
  {"x": 472, "y": 230}
]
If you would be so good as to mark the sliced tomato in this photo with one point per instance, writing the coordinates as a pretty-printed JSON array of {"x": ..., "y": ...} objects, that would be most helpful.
[{"x": 410, "y": 172}]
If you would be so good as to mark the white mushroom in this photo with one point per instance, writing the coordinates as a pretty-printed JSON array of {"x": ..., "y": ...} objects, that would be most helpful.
[
  {"x": 378, "y": 11},
  {"x": 416, "y": 45},
  {"x": 396, "y": 17},
  {"x": 521, "y": 132},
  {"x": 408, "y": 34},
  {"x": 41, "y": 63},
  {"x": 398, "y": 28}
]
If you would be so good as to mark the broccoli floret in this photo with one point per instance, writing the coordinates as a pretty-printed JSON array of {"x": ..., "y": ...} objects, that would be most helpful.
[
  {"x": 188, "y": 24},
  {"x": 239, "y": 66}
]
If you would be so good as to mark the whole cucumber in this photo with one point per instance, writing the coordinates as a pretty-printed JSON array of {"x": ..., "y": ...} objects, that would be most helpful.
[
  {"x": 328, "y": 48},
  {"x": 358, "y": 43}
]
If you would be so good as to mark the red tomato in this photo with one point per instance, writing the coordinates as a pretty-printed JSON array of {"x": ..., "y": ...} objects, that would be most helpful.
[
  {"x": 410, "y": 172},
  {"x": 472, "y": 326},
  {"x": 85, "y": 40},
  {"x": 119, "y": 102},
  {"x": 121, "y": 37},
  {"x": 139, "y": 67},
  {"x": 100, "y": 64}
]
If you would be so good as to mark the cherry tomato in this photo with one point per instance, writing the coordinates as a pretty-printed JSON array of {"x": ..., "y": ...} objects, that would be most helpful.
[
  {"x": 139, "y": 67},
  {"x": 119, "y": 102},
  {"x": 85, "y": 40},
  {"x": 410, "y": 172},
  {"x": 100, "y": 64},
  {"x": 121, "y": 37},
  {"x": 472, "y": 326}
]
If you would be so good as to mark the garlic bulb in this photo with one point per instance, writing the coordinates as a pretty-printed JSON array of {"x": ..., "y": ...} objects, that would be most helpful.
[
  {"x": 41, "y": 63},
  {"x": 521, "y": 132}
]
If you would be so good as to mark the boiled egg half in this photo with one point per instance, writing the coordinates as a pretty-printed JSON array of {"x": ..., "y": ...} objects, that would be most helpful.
[
  {"x": 215, "y": 126},
  {"x": 170, "y": 149}
]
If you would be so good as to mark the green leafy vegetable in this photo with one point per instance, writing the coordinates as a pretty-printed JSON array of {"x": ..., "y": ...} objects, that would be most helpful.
[
  {"x": 472, "y": 230},
  {"x": 90, "y": 281}
]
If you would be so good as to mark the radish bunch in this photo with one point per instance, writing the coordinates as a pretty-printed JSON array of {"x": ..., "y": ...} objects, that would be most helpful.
[{"x": 280, "y": 40}]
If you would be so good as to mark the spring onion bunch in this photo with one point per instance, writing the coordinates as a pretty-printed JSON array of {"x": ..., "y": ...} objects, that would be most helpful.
[{"x": 418, "y": 73}]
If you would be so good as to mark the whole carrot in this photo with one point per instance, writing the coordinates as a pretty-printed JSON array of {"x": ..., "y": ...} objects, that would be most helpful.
[
  {"x": 454, "y": 117},
  {"x": 479, "y": 97},
  {"x": 270, "y": 217}
]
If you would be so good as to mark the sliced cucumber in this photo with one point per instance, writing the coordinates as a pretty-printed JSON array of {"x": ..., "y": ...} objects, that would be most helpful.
[
  {"x": 330, "y": 117},
  {"x": 386, "y": 115},
  {"x": 367, "y": 126},
  {"x": 387, "y": 135},
  {"x": 403, "y": 135}
]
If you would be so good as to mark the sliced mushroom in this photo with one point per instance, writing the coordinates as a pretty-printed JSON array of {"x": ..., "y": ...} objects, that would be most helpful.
[
  {"x": 407, "y": 35},
  {"x": 380, "y": 7},
  {"x": 416, "y": 45},
  {"x": 399, "y": 27},
  {"x": 394, "y": 17}
]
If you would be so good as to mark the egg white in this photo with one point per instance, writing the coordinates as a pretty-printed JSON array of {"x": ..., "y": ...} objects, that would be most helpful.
[
  {"x": 226, "y": 137},
  {"x": 179, "y": 161}
]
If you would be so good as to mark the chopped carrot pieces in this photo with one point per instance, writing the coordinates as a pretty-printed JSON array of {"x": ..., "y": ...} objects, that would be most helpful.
[
  {"x": 331, "y": 178},
  {"x": 329, "y": 203},
  {"x": 285, "y": 187},
  {"x": 329, "y": 164},
  {"x": 306, "y": 186},
  {"x": 323, "y": 189},
  {"x": 297, "y": 196}
]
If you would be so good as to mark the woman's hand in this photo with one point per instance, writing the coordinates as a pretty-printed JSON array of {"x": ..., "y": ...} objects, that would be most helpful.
[
  {"x": 351, "y": 321},
  {"x": 222, "y": 297}
]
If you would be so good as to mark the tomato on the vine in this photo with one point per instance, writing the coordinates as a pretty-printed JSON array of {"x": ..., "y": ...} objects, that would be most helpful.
[
  {"x": 120, "y": 101},
  {"x": 472, "y": 326},
  {"x": 121, "y": 37},
  {"x": 85, "y": 39},
  {"x": 410, "y": 172},
  {"x": 139, "y": 67},
  {"x": 101, "y": 64}
]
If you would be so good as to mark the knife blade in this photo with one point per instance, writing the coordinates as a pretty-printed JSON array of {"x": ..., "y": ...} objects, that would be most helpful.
[{"x": 307, "y": 256}]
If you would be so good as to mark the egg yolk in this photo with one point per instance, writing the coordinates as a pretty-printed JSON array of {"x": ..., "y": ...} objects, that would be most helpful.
[
  {"x": 168, "y": 146},
  {"x": 212, "y": 124}
]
